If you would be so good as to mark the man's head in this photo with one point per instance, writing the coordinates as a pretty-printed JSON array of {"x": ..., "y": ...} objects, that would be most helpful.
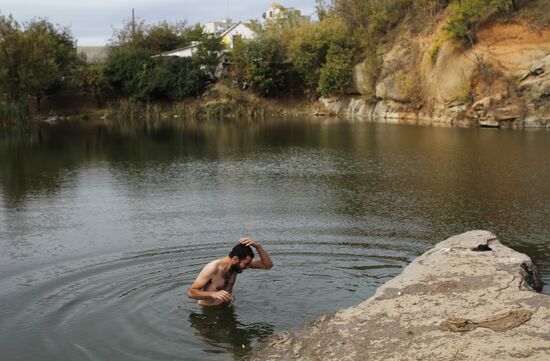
[{"x": 241, "y": 257}]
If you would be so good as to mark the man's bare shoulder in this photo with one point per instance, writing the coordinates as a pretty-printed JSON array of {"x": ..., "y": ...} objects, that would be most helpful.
[{"x": 214, "y": 266}]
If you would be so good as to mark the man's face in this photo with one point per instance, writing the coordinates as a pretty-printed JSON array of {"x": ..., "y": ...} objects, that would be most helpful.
[{"x": 240, "y": 265}]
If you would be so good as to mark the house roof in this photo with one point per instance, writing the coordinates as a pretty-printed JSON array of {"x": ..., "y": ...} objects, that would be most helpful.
[
  {"x": 177, "y": 50},
  {"x": 233, "y": 27}
]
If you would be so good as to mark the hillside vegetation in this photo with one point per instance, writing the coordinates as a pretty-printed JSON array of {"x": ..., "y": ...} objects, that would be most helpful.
[{"x": 394, "y": 50}]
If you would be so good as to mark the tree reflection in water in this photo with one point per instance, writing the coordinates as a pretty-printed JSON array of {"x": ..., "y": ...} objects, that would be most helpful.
[{"x": 219, "y": 327}]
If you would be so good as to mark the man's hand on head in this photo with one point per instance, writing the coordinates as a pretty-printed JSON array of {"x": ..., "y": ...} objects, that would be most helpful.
[
  {"x": 249, "y": 242},
  {"x": 265, "y": 261}
]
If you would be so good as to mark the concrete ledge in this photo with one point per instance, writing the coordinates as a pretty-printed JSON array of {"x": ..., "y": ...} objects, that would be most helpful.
[{"x": 451, "y": 303}]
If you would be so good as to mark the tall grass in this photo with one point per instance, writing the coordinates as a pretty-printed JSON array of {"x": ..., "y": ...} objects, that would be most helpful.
[
  {"x": 146, "y": 114},
  {"x": 13, "y": 112}
]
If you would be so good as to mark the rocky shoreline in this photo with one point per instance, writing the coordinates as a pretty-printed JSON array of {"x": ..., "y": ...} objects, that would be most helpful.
[{"x": 468, "y": 298}]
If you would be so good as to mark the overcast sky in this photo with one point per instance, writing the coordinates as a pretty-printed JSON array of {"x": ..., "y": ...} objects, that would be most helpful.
[{"x": 92, "y": 22}]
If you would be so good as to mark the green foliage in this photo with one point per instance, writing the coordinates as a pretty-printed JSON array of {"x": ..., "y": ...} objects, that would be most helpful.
[
  {"x": 261, "y": 64},
  {"x": 169, "y": 78},
  {"x": 309, "y": 47},
  {"x": 157, "y": 38},
  {"x": 468, "y": 14},
  {"x": 131, "y": 68},
  {"x": 337, "y": 73},
  {"x": 34, "y": 58},
  {"x": 209, "y": 48},
  {"x": 92, "y": 79},
  {"x": 378, "y": 17},
  {"x": 434, "y": 51},
  {"x": 15, "y": 112},
  {"x": 154, "y": 38},
  {"x": 122, "y": 66},
  {"x": 188, "y": 78}
]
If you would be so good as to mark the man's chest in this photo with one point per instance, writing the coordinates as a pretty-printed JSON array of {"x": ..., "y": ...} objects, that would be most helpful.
[{"x": 221, "y": 281}]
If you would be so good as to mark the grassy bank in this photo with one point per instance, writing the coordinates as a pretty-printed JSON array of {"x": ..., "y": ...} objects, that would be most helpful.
[{"x": 12, "y": 113}]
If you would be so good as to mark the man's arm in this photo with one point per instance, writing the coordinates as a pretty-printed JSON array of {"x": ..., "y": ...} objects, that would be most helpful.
[
  {"x": 206, "y": 275},
  {"x": 265, "y": 261}
]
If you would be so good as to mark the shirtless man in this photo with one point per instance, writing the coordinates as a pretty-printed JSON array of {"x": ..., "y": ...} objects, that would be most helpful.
[{"x": 214, "y": 284}]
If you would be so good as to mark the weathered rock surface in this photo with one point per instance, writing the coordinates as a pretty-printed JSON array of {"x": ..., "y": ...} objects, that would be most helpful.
[
  {"x": 451, "y": 303},
  {"x": 502, "y": 81}
]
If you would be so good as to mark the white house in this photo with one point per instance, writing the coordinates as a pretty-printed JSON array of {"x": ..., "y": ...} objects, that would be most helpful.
[
  {"x": 185, "y": 52},
  {"x": 237, "y": 31}
]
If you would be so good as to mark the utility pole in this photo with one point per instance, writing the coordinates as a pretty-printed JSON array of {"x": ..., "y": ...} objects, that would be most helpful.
[{"x": 133, "y": 24}]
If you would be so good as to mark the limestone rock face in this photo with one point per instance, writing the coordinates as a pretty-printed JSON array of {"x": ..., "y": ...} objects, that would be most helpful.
[
  {"x": 456, "y": 85},
  {"x": 468, "y": 298},
  {"x": 536, "y": 83},
  {"x": 534, "y": 88}
]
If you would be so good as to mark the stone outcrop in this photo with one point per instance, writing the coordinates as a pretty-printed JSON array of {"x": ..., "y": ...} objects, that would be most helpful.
[
  {"x": 468, "y": 298},
  {"x": 502, "y": 81}
]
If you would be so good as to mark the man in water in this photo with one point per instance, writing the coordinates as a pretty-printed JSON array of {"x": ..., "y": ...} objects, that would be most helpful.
[{"x": 215, "y": 282}]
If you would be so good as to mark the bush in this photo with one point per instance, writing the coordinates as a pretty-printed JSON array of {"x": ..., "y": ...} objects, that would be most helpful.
[
  {"x": 122, "y": 66},
  {"x": 170, "y": 78},
  {"x": 378, "y": 17},
  {"x": 93, "y": 80},
  {"x": 468, "y": 14},
  {"x": 337, "y": 73},
  {"x": 310, "y": 45},
  {"x": 261, "y": 65}
]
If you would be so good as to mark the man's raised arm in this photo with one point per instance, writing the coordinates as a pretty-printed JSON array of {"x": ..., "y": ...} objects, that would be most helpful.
[{"x": 265, "y": 261}]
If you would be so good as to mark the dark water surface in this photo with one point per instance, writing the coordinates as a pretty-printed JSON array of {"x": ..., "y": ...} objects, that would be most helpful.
[{"x": 103, "y": 228}]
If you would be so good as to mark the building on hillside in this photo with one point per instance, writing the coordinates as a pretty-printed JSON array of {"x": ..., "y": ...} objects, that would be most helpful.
[
  {"x": 218, "y": 27},
  {"x": 274, "y": 12},
  {"x": 184, "y": 52},
  {"x": 281, "y": 16},
  {"x": 237, "y": 31},
  {"x": 93, "y": 54}
]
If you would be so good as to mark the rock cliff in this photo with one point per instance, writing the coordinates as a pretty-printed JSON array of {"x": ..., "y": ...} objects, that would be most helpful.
[
  {"x": 468, "y": 298},
  {"x": 501, "y": 81}
]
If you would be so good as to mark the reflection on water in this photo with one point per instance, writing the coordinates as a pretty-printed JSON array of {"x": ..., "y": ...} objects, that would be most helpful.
[
  {"x": 218, "y": 326},
  {"x": 103, "y": 227}
]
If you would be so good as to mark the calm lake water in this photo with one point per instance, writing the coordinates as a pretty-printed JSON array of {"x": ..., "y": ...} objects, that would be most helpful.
[{"x": 103, "y": 228}]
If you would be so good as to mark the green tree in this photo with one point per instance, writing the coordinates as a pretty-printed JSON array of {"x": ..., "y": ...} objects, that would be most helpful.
[
  {"x": 161, "y": 37},
  {"x": 154, "y": 38},
  {"x": 10, "y": 57},
  {"x": 34, "y": 58}
]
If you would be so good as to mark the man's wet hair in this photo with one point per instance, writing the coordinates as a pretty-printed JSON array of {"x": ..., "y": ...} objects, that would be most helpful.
[{"x": 241, "y": 251}]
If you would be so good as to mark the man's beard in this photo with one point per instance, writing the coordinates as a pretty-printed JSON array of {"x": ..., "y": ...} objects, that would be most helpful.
[{"x": 236, "y": 268}]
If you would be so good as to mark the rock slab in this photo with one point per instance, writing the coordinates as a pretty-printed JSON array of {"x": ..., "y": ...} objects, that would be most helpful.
[{"x": 468, "y": 298}]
